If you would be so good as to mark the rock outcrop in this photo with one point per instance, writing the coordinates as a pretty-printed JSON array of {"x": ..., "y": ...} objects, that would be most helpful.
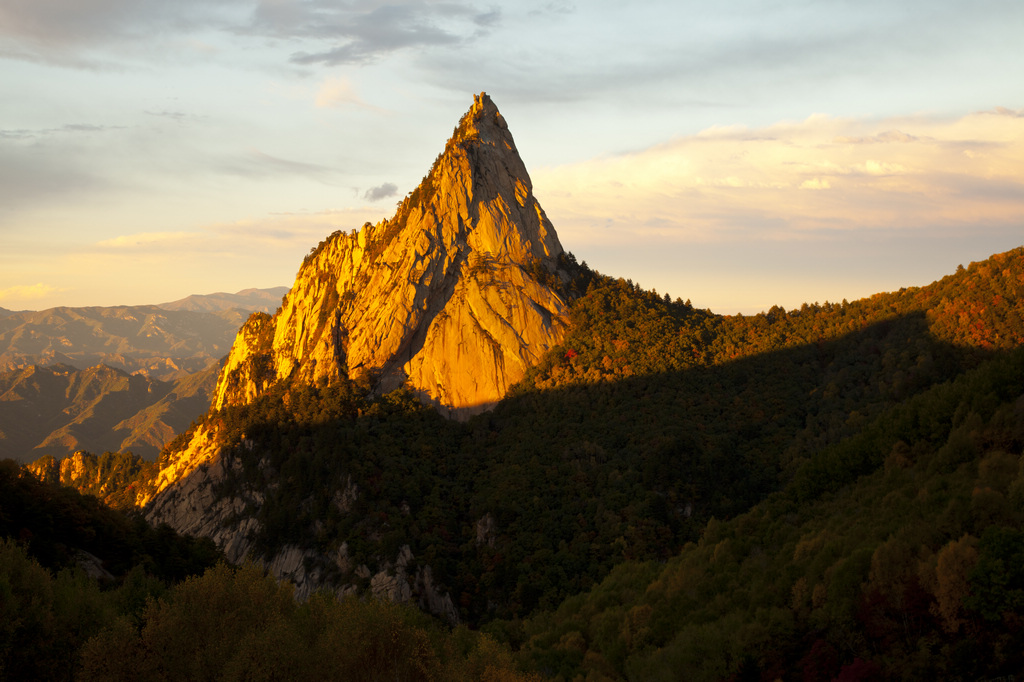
[
  {"x": 208, "y": 501},
  {"x": 450, "y": 296},
  {"x": 455, "y": 297}
]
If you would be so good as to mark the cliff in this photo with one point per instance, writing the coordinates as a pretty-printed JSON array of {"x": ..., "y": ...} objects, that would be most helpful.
[
  {"x": 456, "y": 296},
  {"x": 451, "y": 295}
]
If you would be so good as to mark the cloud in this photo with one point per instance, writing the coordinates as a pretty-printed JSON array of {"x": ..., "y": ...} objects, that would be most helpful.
[
  {"x": 262, "y": 250},
  {"x": 30, "y": 133},
  {"x": 81, "y": 33},
  {"x": 359, "y": 35},
  {"x": 384, "y": 191},
  {"x": 65, "y": 31},
  {"x": 491, "y": 17},
  {"x": 265, "y": 236},
  {"x": 234, "y": 239},
  {"x": 554, "y": 7},
  {"x": 33, "y": 176},
  {"x": 337, "y": 91},
  {"x": 144, "y": 241},
  {"x": 27, "y": 292},
  {"x": 257, "y": 164},
  {"x": 887, "y": 136},
  {"x": 740, "y": 184},
  {"x": 176, "y": 116}
]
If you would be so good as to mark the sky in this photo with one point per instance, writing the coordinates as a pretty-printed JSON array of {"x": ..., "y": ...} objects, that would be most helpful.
[{"x": 738, "y": 154}]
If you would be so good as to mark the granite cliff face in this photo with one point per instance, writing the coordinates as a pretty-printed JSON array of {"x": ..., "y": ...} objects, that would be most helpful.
[
  {"x": 456, "y": 297},
  {"x": 197, "y": 505},
  {"x": 449, "y": 295}
]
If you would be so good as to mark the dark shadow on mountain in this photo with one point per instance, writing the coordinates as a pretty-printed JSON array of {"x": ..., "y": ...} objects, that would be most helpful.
[
  {"x": 539, "y": 499},
  {"x": 57, "y": 524}
]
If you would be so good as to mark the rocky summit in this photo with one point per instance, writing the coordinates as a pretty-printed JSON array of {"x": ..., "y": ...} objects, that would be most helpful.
[{"x": 455, "y": 296}]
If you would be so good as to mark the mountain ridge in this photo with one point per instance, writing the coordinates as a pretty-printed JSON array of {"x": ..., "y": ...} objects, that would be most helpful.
[
  {"x": 171, "y": 355},
  {"x": 163, "y": 344},
  {"x": 58, "y": 409},
  {"x": 253, "y": 299},
  {"x": 652, "y": 437},
  {"x": 304, "y": 428}
]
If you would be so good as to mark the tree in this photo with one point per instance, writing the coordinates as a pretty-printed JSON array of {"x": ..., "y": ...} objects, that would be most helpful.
[{"x": 954, "y": 564}]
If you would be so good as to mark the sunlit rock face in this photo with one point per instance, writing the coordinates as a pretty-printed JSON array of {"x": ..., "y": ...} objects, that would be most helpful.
[
  {"x": 453, "y": 297},
  {"x": 448, "y": 296}
]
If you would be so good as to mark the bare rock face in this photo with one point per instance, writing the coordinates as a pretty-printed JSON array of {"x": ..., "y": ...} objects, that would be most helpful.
[
  {"x": 208, "y": 501},
  {"x": 448, "y": 296},
  {"x": 455, "y": 297}
]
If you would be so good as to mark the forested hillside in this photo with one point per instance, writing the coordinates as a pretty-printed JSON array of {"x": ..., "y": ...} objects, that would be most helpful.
[
  {"x": 894, "y": 554},
  {"x": 833, "y": 491},
  {"x": 651, "y": 419},
  {"x": 88, "y": 594}
]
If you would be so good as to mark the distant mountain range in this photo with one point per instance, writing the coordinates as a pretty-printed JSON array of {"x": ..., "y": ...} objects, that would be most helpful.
[
  {"x": 59, "y": 409},
  {"x": 114, "y": 378},
  {"x": 253, "y": 300},
  {"x": 163, "y": 341}
]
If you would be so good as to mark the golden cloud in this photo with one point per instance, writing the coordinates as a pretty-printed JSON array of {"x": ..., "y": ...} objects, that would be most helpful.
[
  {"x": 27, "y": 292},
  {"x": 740, "y": 183}
]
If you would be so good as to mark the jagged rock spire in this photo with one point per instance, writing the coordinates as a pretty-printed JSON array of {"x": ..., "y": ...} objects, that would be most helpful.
[{"x": 447, "y": 296}]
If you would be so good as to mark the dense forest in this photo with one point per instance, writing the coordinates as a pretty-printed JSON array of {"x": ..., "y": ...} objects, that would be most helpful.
[
  {"x": 834, "y": 491},
  {"x": 160, "y": 606},
  {"x": 912, "y": 570}
]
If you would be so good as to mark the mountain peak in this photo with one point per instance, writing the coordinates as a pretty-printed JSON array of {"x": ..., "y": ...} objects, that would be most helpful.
[
  {"x": 449, "y": 297},
  {"x": 483, "y": 121}
]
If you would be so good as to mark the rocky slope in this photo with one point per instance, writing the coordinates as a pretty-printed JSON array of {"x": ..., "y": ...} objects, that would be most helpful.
[{"x": 453, "y": 295}]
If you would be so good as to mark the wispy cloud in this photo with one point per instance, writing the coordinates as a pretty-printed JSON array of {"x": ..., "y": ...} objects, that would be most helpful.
[
  {"x": 257, "y": 164},
  {"x": 1013, "y": 113},
  {"x": 70, "y": 128},
  {"x": 177, "y": 116},
  {"x": 32, "y": 176},
  {"x": 76, "y": 32},
  {"x": 260, "y": 237},
  {"x": 263, "y": 250},
  {"x": 68, "y": 32},
  {"x": 145, "y": 241}
]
